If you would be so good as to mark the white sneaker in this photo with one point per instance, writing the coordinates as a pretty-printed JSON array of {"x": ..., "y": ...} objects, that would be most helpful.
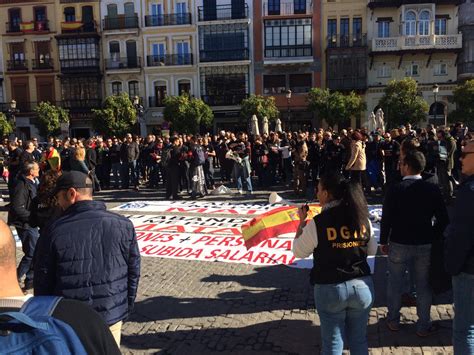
[{"x": 240, "y": 192}]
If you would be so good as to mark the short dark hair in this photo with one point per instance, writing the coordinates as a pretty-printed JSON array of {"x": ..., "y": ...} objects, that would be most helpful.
[{"x": 415, "y": 161}]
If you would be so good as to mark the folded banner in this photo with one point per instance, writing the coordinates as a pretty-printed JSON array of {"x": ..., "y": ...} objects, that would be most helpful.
[
  {"x": 71, "y": 26},
  {"x": 274, "y": 223}
]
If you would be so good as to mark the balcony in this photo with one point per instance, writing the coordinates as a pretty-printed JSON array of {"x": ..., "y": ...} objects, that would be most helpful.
[
  {"x": 288, "y": 52},
  {"x": 81, "y": 104},
  {"x": 43, "y": 64},
  {"x": 168, "y": 20},
  {"x": 120, "y": 22},
  {"x": 17, "y": 64},
  {"x": 406, "y": 43},
  {"x": 397, "y": 3},
  {"x": 79, "y": 65},
  {"x": 224, "y": 55},
  {"x": 224, "y": 100},
  {"x": 123, "y": 63},
  {"x": 153, "y": 101},
  {"x": 169, "y": 60},
  {"x": 286, "y": 8},
  {"x": 223, "y": 12},
  {"x": 78, "y": 27},
  {"x": 466, "y": 69},
  {"x": 28, "y": 27},
  {"x": 346, "y": 41}
]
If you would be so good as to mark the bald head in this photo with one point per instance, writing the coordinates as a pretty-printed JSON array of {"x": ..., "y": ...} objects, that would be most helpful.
[{"x": 7, "y": 247}]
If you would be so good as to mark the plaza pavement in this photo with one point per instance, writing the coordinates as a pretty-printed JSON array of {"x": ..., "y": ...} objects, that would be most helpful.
[{"x": 196, "y": 307}]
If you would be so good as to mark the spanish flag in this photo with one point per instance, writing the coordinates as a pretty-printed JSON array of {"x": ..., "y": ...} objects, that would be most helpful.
[
  {"x": 281, "y": 220},
  {"x": 27, "y": 26},
  {"x": 51, "y": 159}
]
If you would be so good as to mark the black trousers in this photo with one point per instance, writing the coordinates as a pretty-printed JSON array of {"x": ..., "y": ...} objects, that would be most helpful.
[{"x": 172, "y": 181}]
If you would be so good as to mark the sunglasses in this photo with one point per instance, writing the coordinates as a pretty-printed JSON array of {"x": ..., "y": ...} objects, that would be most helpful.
[{"x": 464, "y": 154}]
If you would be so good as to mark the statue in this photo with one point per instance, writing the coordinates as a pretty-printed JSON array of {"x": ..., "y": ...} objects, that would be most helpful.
[
  {"x": 371, "y": 122},
  {"x": 278, "y": 125},
  {"x": 379, "y": 121},
  {"x": 254, "y": 126},
  {"x": 265, "y": 125}
]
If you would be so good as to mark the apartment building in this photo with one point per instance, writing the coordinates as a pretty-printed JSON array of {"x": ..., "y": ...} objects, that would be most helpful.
[
  {"x": 225, "y": 52},
  {"x": 418, "y": 39},
  {"x": 29, "y": 58},
  {"x": 466, "y": 26},
  {"x": 170, "y": 52}
]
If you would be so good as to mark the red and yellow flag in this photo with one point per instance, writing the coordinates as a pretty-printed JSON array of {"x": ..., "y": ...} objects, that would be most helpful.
[{"x": 276, "y": 222}]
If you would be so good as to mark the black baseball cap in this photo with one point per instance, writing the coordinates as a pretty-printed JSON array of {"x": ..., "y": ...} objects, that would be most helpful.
[{"x": 70, "y": 179}]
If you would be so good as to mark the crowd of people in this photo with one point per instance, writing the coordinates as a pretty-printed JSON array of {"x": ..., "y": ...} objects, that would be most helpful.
[{"x": 51, "y": 190}]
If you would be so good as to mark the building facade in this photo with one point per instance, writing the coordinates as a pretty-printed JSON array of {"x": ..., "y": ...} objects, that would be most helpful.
[
  {"x": 170, "y": 54},
  {"x": 29, "y": 56},
  {"x": 80, "y": 62},
  {"x": 225, "y": 57},
  {"x": 418, "y": 39},
  {"x": 466, "y": 26}
]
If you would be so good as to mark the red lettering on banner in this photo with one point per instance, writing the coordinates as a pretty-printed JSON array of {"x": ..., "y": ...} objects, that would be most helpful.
[
  {"x": 177, "y": 229},
  {"x": 181, "y": 209},
  {"x": 226, "y": 210},
  {"x": 202, "y": 239},
  {"x": 213, "y": 254},
  {"x": 155, "y": 237},
  {"x": 262, "y": 257},
  {"x": 151, "y": 249},
  {"x": 188, "y": 252},
  {"x": 234, "y": 231},
  {"x": 285, "y": 245},
  {"x": 146, "y": 227}
]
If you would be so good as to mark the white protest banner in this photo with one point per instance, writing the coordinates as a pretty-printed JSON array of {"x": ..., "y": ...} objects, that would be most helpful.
[{"x": 195, "y": 207}]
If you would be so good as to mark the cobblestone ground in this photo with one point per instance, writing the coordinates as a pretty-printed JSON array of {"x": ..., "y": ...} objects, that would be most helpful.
[{"x": 194, "y": 307}]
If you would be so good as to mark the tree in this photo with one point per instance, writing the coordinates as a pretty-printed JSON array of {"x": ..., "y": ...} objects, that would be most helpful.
[
  {"x": 463, "y": 97},
  {"x": 260, "y": 106},
  {"x": 50, "y": 118},
  {"x": 187, "y": 114},
  {"x": 5, "y": 125},
  {"x": 117, "y": 117},
  {"x": 334, "y": 107},
  {"x": 401, "y": 103}
]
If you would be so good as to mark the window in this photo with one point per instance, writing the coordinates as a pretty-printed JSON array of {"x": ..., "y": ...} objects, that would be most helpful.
[
  {"x": 288, "y": 38},
  {"x": 182, "y": 49},
  {"x": 440, "y": 26},
  {"x": 299, "y": 6},
  {"x": 40, "y": 14},
  {"x": 14, "y": 16},
  {"x": 273, "y": 7},
  {"x": 332, "y": 33},
  {"x": 357, "y": 30},
  {"x": 69, "y": 14},
  {"x": 410, "y": 23},
  {"x": 274, "y": 84},
  {"x": 133, "y": 88},
  {"x": 116, "y": 88},
  {"x": 384, "y": 71},
  {"x": 412, "y": 70},
  {"x": 160, "y": 94},
  {"x": 441, "y": 69},
  {"x": 300, "y": 83},
  {"x": 184, "y": 87},
  {"x": 344, "y": 32},
  {"x": 424, "y": 23},
  {"x": 384, "y": 29},
  {"x": 114, "y": 48}
]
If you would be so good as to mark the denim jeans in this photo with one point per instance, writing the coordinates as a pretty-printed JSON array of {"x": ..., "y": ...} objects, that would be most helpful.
[
  {"x": 129, "y": 174},
  {"x": 239, "y": 177},
  {"x": 344, "y": 309},
  {"x": 400, "y": 257},
  {"x": 463, "y": 324},
  {"x": 28, "y": 237}
]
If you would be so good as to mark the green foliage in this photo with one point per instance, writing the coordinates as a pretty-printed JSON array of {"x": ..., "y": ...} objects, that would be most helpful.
[
  {"x": 117, "y": 117},
  {"x": 334, "y": 107},
  {"x": 5, "y": 125},
  {"x": 401, "y": 103},
  {"x": 50, "y": 118},
  {"x": 260, "y": 106},
  {"x": 463, "y": 97},
  {"x": 187, "y": 114}
]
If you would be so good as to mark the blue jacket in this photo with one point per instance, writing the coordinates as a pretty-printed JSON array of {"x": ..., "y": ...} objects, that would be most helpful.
[
  {"x": 459, "y": 246},
  {"x": 91, "y": 255}
]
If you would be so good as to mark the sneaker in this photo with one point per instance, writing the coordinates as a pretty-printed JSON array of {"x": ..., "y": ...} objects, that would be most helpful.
[
  {"x": 240, "y": 192},
  {"x": 430, "y": 331},
  {"x": 393, "y": 326}
]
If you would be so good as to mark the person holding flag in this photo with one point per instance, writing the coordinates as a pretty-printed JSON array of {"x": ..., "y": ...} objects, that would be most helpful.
[{"x": 340, "y": 238}]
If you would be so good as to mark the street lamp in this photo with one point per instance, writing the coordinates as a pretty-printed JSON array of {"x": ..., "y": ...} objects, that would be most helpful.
[
  {"x": 10, "y": 113},
  {"x": 140, "y": 111},
  {"x": 288, "y": 99},
  {"x": 435, "y": 92}
]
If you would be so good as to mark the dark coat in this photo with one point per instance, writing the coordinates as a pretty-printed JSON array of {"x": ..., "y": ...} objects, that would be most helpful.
[
  {"x": 22, "y": 201},
  {"x": 91, "y": 255}
]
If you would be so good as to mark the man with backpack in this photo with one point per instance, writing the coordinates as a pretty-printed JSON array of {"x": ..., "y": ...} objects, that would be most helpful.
[{"x": 72, "y": 326}]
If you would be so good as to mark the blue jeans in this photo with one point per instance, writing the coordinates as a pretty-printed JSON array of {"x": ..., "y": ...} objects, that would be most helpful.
[
  {"x": 129, "y": 174},
  {"x": 344, "y": 309},
  {"x": 239, "y": 176},
  {"x": 400, "y": 257},
  {"x": 463, "y": 324},
  {"x": 28, "y": 237}
]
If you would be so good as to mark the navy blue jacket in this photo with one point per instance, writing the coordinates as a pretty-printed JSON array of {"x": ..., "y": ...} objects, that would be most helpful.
[
  {"x": 459, "y": 248},
  {"x": 91, "y": 255}
]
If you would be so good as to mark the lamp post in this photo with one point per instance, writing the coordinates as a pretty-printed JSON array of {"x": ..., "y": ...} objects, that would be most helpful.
[
  {"x": 11, "y": 112},
  {"x": 140, "y": 111},
  {"x": 288, "y": 99},
  {"x": 435, "y": 92}
]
